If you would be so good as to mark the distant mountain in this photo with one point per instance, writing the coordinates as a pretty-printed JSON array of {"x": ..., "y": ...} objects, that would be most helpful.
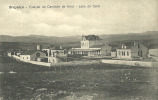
[
  {"x": 149, "y": 37},
  {"x": 39, "y": 39}
]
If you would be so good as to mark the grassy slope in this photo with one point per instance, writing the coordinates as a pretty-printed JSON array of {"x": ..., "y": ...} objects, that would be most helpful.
[{"x": 50, "y": 84}]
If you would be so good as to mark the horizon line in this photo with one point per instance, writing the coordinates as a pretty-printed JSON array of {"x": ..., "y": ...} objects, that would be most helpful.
[{"x": 77, "y": 35}]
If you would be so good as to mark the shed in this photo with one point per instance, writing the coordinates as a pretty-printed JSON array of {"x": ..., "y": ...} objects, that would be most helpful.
[{"x": 32, "y": 55}]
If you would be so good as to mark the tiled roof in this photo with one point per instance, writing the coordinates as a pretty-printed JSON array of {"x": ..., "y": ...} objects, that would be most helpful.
[
  {"x": 29, "y": 52},
  {"x": 97, "y": 45},
  {"x": 92, "y": 37},
  {"x": 84, "y": 49},
  {"x": 15, "y": 50},
  {"x": 54, "y": 47},
  {"x": 127, "y": 44},
  {"x": 113, "y": 49}
]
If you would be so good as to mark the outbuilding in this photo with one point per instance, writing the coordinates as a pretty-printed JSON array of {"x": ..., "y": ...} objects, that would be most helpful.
[
  {"x": 153, "y": 51},
  {"x": 32, "y": 55},
  {"x": 132, "y": 51}
]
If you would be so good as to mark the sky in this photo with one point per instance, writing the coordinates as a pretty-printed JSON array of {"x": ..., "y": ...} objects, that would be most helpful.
[{"x": 112, "y": 17}]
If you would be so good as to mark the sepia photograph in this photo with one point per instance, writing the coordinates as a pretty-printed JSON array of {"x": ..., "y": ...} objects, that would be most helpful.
[{"x": 78, "y": 49}]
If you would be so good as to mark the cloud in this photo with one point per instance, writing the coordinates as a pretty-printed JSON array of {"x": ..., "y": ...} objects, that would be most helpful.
[
  {"x": 114, "y": 16},
  {"x": 47, "y": 22},
  {"x": 63, "y": 30}
]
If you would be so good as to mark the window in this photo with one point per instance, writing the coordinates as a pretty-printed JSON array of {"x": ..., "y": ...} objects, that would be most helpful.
[
  {"x": 141, "y": 53},
  {"x": 27, "y": 58},
  {"x": 127, "y": 53},
  {"x": 138, "y": 46},
  {"x": 82, "y": 44},
  {"x": 98, "y": 52},
  {"x": 119, "y": 53},
  {"x": 122, "y": 53}
]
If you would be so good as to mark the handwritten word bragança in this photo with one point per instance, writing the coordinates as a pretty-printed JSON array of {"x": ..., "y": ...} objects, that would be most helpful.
[{"x": 16, "y": 7}]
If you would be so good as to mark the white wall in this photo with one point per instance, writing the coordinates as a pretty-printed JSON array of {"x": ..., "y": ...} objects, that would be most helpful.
[
  {"x": 32, "y": 62},
  {"x": 85, "y": 44},
  {"x": 9, "y": 54},
  {"x": 131, "y": 63},
  {"x": 153, "y": 52},
  {"x": 120, "y": 55},
  {"x": 113, "y": 54},
  {"x": 25, "y": 57}
]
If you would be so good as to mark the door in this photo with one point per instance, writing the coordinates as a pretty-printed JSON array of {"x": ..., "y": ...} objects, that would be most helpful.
[{"x": 141, "y": 53}]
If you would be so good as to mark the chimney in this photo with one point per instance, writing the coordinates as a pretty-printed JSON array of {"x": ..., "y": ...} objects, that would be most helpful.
[
  {"x": 134, "y": 42},
  {"x": 39, "y": 47},
  {"x": 122, "y": 46},
  {"x": 60, "y": 47},
  {"x": 125, "y": 47},
  {"x": 83, "y": 36}
]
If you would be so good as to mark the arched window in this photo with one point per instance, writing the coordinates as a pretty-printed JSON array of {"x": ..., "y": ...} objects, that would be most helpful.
[{"x": 37, "y": 54}]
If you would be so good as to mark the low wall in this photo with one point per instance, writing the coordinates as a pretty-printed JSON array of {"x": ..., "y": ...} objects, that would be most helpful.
[
  {"x": 32, "y": 62},
  {"x": 38, "y": 63},
  {"x": 88, "y": 62},
  {"x": 131, "y": 63},
  {"x": 73, "y": 63},
  {"x": 16, "y": 57}
]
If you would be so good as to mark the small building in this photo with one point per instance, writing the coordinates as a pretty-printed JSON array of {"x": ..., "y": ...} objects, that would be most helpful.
[
  {"x": 91, "y": 45},
  {"x": 55, "y": 54},
  {"x": 47, "y": 51},
  {"x": 103, "y": 50},
  {"x": 54, "y": 60},
  {"x": 32, "y": 55},
  {"x": 54, "y": 51},
  {"x": 131, "y": 51},
  {"x": 39, "y": 47},
  {"x": 153, "y": 51},
  {"x": 10, "y": 53},
  {"x": 14, "y": 52},
  {"x": 42, "y": 59},
  {"x": 113, "y": 52},
  {"x": 90, "y": 40}
]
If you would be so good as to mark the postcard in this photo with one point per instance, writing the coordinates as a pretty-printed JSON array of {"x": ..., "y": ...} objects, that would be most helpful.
[{"x": 78, "y": 49}]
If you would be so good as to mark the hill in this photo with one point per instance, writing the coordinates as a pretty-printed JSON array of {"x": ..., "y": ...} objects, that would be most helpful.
[
  {"x": 39, "y": 39},
  {"x": 148, "y": 38}
]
